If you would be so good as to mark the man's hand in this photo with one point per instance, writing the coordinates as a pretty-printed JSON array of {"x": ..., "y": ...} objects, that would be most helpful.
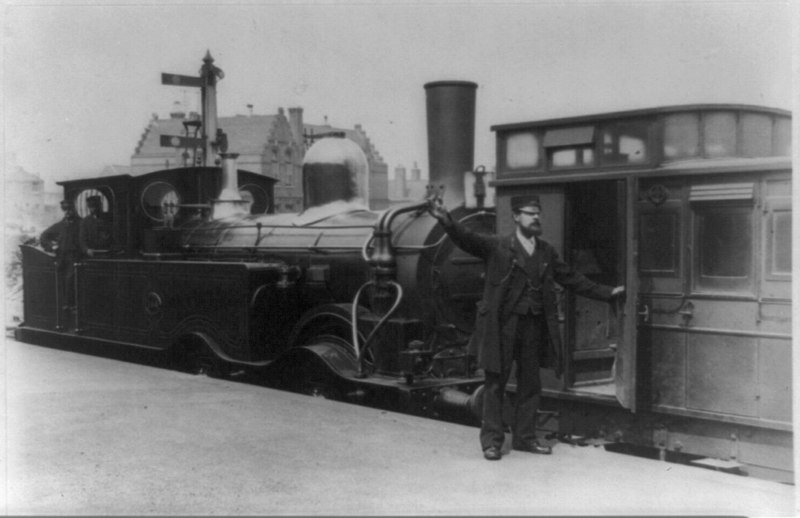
[
  {"x": 437, "y": 209},
  {"x": 618, "y": 291}
]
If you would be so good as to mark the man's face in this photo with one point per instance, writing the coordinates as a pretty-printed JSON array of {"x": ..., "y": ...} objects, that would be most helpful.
[
  {"x": 69, "y": 210},
  {"x": 527, "y": 220}
]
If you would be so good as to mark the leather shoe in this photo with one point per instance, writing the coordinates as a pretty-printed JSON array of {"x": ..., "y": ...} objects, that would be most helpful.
[
  {"x": 492, "y": 453},
  {"x": 533, "y": 447}
]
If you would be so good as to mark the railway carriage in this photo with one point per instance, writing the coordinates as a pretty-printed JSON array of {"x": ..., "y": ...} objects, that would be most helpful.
[{"x": 689, "y": 207}]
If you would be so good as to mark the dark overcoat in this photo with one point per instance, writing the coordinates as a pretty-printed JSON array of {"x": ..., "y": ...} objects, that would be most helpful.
[
  {"x": 501, "y": 255},
  {"x": 65, "y": 234}
]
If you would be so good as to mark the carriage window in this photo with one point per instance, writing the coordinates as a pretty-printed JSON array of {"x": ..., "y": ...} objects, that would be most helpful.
[
  {"x": 723, "y": 247},
  {"x": 780, "y": 232},
  {"x": 681, "y": 136},
  {"x": 522, "y": 150},
  {"x": 782, "y": 145},
  {"x": 658, "y": 243},
  {"x": 624, "y": 143},
  {"x": 570, "y": 147},
  {"x": 572, "y": 157},
  {"x": 719, "y": 134},
  {"x": 756, "y": 135}
]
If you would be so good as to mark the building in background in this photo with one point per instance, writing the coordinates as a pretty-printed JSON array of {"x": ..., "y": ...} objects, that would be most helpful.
[
  {"x": 28, "y": 210},
  {"x": 114, "y": 170},
  {"x": 27, "y": 206},
  {"x": 407, "y": 185},
  {"x": 272, "y": 145}
]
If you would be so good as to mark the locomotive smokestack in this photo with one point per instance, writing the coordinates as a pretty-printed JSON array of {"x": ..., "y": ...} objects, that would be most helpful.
[{"x": 451, "y": 135}]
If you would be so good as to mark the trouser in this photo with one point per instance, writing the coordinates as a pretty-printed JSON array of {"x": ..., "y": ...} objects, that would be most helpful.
[
  {"x": 524, "y": 333},
  {"x": 66, "y": 276}
]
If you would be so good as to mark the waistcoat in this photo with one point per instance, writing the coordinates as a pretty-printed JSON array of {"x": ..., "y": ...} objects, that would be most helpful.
[{"x": 531, "y": 299}]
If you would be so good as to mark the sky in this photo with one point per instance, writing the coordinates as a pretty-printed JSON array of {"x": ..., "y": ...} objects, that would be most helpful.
[{"x": 81, "y": 80}]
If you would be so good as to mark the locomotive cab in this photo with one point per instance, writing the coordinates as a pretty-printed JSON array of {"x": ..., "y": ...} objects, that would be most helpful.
[{"x": 138, "y": 217}]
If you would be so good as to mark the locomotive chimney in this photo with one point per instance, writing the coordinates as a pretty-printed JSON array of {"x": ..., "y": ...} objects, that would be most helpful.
[
  {"x": 451, "y": 135},
  {"x": 230, "y": 202}
]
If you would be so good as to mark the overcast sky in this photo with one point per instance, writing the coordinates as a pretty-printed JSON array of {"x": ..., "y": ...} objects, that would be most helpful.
[{"x": 81, "y": 81}]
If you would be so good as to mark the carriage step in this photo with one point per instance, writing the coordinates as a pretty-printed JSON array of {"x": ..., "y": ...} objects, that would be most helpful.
[{"x": 727, "y": 466}]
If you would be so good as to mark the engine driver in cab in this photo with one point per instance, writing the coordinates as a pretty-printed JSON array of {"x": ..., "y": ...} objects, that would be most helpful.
[
  {"x": 517, "y": 318},
  {"x": 95, "y": 229}
]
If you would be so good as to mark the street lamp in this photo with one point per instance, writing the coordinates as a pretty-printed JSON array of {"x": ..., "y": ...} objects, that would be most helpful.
[{"x": 195, "y": 125}]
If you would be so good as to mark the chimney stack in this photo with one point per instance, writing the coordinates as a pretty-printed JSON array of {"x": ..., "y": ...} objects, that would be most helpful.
[
  {"x": 296, "y": 124},
  {"x": 451, "y": 135}
]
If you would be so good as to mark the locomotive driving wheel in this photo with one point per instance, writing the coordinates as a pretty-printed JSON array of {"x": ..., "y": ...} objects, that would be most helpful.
[
  {"x": 322, "y": 360},
  {"x": 315, "y": 379},
  {"x": 314, "y": 376}
]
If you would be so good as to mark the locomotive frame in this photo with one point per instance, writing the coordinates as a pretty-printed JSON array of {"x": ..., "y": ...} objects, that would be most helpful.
[{"x": 376, "y": 308}]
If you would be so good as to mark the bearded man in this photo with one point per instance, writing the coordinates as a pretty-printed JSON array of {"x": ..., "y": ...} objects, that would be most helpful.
[{"x": 517, "y": 318}]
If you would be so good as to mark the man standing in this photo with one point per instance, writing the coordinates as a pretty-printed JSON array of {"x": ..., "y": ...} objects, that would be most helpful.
[
  {"x": 63, "y": 238},
  {"x": 517, "y": 318},
  {"x": 95, "y": 229}
]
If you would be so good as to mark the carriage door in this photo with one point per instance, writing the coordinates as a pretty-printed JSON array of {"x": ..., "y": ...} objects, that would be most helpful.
[
  {"x": 600, "y": 342},
  {"x": 710, "y": 341}
]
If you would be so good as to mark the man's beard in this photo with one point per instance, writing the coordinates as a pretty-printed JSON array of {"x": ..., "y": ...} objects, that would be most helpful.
[{"x": 532, "y": 231}]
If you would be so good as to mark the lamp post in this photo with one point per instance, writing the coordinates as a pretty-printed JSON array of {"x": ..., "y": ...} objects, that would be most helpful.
[
  {"x": 209, "y": 74},
  {"x": 195, "y": 125}
]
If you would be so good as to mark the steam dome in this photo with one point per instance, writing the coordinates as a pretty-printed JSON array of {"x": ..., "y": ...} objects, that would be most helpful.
[{"x": 335, "y": 171}]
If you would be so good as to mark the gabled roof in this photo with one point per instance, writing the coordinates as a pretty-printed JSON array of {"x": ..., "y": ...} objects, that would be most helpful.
[
  {"x": 247, "y": 134},
  {"x": 357, "y": 135}
]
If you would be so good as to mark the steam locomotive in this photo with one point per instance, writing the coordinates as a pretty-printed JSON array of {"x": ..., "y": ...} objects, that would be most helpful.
[
  {"x": 687, "y": 206},
  {"x": 336, "y": 300}
]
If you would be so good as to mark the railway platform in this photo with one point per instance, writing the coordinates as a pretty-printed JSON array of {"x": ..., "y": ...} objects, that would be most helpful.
[{"x": 90, "y": 435}]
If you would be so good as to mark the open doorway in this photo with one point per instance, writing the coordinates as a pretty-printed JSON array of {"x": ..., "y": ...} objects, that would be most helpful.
[{"x": 594, "y": 246}]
